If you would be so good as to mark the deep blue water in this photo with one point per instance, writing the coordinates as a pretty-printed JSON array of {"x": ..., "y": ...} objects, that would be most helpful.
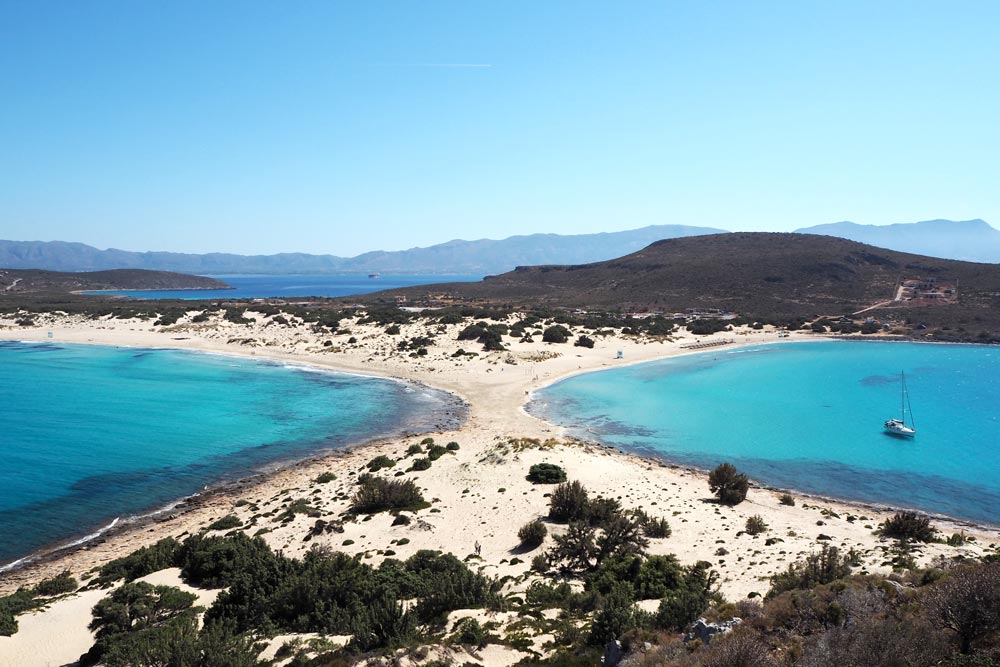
[
  {"x": 92, "y": 433},
  {"x": 809, "y": 416},
  {"x": 261, "y": 287}
]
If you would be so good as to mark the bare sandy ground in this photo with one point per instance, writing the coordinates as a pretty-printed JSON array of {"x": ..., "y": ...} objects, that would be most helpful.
[{"x": 480, "y": 494}]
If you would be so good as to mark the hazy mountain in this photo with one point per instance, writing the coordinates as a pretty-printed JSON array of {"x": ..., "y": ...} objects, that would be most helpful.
[
  {"x": 752, "y": 273},
  {"x": 969, "y": 240},
  {"x": 484, "y": 256}
]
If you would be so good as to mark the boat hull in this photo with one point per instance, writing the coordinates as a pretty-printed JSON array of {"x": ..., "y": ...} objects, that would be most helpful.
[{"x": 896, "y": 427}]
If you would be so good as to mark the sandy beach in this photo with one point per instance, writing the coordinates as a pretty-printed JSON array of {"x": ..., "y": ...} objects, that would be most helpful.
[{"x": 480, "y": 494}]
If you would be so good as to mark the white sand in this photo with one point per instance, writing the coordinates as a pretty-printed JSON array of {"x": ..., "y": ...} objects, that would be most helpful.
[
  {"x": 496, "y": 386},
  {"x": 54, "y": 636}
]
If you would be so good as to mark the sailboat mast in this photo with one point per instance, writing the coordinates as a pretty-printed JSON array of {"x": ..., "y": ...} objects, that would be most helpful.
[
  {"x": 909, "y": 408},
  {"x": 902, "y": 395}
]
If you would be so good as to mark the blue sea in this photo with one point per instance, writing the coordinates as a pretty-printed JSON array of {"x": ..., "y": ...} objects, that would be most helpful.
[
  {"x": 91, "y": 434},
  {"x": 262, "y": 287},
  {"x": 809, "y": 416}
]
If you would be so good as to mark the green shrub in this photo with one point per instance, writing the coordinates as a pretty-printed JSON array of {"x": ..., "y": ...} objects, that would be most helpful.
[
  {"x": 555, "y": 334},
  {"x": 141, "y": 624},
  {"x": 682, "y": 607},
  {"x": 217, "y": 561},
  {"x": 377, "y": 495},
  {"x": 469, "y": 632},
  {"x": 728, "y": 485},
  {"x": 452, "y": 446},
  {"x": 226, "y": 523},
  {"x": 616, "y": 615},
  {"x": 601, "y": 511},
  {"x": 443, "y": 583},
  {"x": 569, "y": 502},
  {"x": 532, "y": 534},
  {"x": 379, "y": 462},
  {"x": 61, "y": 583},
  {"x": 656, "y": 528},
  {"x": 297, "y": 506},
  {"x": 414, "y": 449},
  {"x": 909, "y": 526},
  {"x": 540, "y": 563},
  {"x": 325, "y": 478},
  {"x": 584, "y": 341},
  {"x": 434, "y": 452},
  {"x": 787, "y": 499},
  {"x": 427, "y": 441},
  {"x": 547, "y": 594},
  {"x": 139, "y": 563},
  {"x": 822, "y": 567},
  {"x": 421, "y": 464},
  {"x": 472, "y": 331},
  {"x": 755, "y": 525},
  {"x": 546, "y": 473}
]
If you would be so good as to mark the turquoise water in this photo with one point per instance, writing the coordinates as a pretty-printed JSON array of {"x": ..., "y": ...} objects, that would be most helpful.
[
  {"x": 262, "y": 287},
  {"x": 93, "y": 433},
  {"x": 809, "y": 416}
]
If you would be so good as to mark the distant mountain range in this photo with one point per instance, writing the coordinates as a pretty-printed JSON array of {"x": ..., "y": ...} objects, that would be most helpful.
[
  {"x": 968, "y": 240},
  {"x": 484, "y": 256}
]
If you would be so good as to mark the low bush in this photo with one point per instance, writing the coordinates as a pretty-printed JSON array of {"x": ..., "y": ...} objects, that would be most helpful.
[
  {"x": 787, "y": 499},
  {"x": 226, "y": 523},
  {"x": 540, "y": 563},
  {"x": 421, "y": 464},
  {"x": 532, "y": 534},
  {"x": 584, "y": 341},
  {"x": 822, "y": 567},
  {"x": 57, "y": 585},
  {"x": 325, "y": 478},
  {"x": 908, "y": 526},
  {"x": 569, "y": 502},
  {"x": 452, "y": 446},
  {"x": 218, "y": 561},
  {"x": 729, "y": 485},
  {"x": 414, "y": 449},
  {"x": 378, "y": 495},
  {"x": 469, "y": 632},
  {"x": 555, "y": 334},
  {"x": 139, "y": 563},
  {"x": 380, "y": 462},
  {"x": 546, "y": 473},
  {"x": 755, "y": 525},
  {"x": 434, "y": 452},
  {"x": 656, "y": 527}
]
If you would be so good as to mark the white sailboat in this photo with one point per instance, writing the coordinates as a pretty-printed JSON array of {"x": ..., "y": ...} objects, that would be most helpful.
[{"x": 899, "y": 426}]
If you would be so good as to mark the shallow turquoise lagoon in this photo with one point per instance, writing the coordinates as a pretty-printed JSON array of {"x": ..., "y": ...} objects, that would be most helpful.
[
  {"x": 89, "y": 434},
  {"x": 809, "y": 416}
]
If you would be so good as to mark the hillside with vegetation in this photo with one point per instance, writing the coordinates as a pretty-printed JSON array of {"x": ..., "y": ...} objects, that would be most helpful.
[
  {"x": 758, "y": 275},
  {"x": 20, "y": 282}
]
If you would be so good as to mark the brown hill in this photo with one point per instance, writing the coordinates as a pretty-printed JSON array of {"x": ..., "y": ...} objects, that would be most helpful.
[
  {"x": 766, "y": 275},
  {"x": 33, "y": 281}
]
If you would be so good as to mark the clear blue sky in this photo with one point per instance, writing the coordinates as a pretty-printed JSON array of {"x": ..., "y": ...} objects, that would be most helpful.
[{"x": 343, "y": 127}]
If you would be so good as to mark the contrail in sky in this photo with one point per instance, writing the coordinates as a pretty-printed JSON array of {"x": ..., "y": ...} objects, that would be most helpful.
[{"x": 445, "y": 65}]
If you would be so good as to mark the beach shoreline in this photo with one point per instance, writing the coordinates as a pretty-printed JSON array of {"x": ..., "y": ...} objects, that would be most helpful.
[{"x": 495, "y": 410}]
